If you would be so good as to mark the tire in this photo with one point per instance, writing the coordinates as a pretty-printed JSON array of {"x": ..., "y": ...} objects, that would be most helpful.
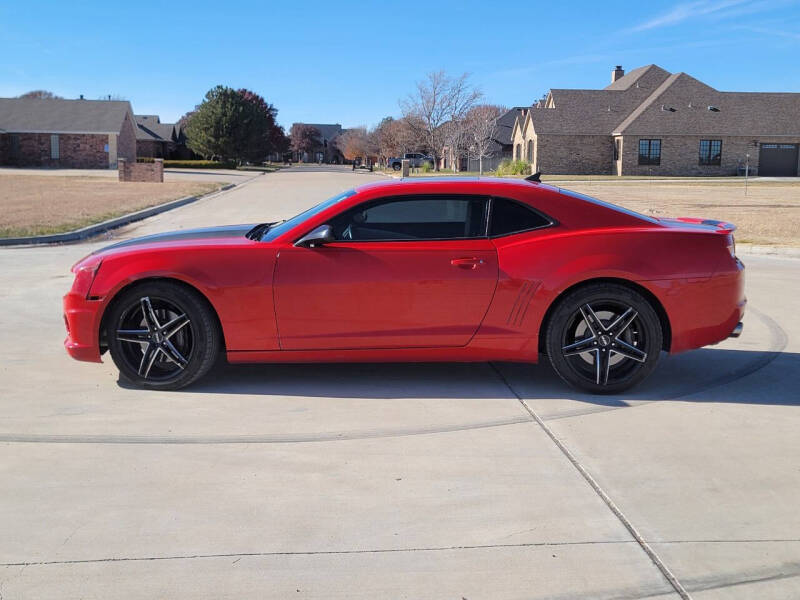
[
  {"x": 172, "y": 347},
  {"x": 604, "y": 338},
  {"x": 396, "y": 166}
]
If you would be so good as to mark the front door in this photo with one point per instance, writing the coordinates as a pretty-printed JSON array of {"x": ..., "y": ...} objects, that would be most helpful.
[{"x": 404, "y": 272}]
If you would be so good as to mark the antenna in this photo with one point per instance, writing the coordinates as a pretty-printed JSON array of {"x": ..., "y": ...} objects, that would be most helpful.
[{"x": 536, "y": 177}]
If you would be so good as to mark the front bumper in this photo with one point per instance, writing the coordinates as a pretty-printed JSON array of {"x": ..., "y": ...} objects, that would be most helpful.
[{"x": 82, "y": 318}]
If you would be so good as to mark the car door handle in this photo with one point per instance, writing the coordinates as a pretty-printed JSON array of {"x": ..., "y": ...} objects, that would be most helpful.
[{"x": 467, "y": 263}]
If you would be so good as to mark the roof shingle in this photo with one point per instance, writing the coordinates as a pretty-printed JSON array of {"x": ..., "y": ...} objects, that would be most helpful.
[{"x": 56, "y": 115}]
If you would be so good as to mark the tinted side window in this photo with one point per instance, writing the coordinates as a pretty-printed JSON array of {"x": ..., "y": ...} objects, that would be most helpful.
[
  {"x": 510, "y": 217},
  {"x": 414, "y": 218}
]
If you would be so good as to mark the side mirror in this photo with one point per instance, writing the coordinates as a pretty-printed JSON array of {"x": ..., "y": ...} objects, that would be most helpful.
[{"x": 318, "y": 237}]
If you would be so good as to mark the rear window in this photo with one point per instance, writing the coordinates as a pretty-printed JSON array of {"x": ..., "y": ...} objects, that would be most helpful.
[{"x": 512, "y": 217}]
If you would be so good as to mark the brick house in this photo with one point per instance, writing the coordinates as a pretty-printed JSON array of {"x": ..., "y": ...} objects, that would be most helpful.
[
  {"x": 155, "y": 139},
  {"x": 327, "y": 151},
  {"x": 652, "y": 122},
  {"x": 86, "y": 134}
]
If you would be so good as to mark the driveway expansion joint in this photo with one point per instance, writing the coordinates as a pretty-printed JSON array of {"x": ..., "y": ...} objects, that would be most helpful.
[{"x": 651, "y": 553}]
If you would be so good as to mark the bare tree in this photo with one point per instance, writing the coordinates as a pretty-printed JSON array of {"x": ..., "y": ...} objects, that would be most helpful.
[
  {"x": 394, "y": 137},
  {"x": 481, "y": 127},
  {"x": 439, "y": 98}
]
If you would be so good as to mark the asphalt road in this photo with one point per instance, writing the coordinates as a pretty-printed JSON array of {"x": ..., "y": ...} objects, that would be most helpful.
[{"x": 393, "y": 481}]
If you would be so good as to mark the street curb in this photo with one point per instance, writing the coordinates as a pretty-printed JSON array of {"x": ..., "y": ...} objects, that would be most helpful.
[
  {"x": 769, "y": 251},
  {"x": 98, "y": 228}
]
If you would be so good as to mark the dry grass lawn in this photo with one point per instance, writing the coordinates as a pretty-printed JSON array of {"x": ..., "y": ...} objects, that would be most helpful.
[
  {"x": 36, "y": 204},
  {"x": 768, "y": 214}
]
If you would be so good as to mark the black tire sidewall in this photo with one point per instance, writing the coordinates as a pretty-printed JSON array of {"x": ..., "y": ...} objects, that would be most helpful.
[
  {"x": 590, "y": 294},
  {"x": 204, "y": 331}
]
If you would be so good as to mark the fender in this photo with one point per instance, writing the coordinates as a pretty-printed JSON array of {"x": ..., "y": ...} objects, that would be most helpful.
[{"x": 236, "y": 281}]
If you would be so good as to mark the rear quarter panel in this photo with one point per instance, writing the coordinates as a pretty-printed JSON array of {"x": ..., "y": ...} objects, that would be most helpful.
[{"x": 535, "y": 268}]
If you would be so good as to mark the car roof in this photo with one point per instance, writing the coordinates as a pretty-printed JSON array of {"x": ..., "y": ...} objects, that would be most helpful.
[{"x": 479, "y": 182}]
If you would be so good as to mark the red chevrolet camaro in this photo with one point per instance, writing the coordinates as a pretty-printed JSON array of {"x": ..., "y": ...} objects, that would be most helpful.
[{"x": 423, "y": 270}]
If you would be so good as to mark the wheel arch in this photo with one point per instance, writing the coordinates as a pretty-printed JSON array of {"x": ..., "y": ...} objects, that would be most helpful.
[
  {"x": 103, "y": 344},
  {"x": 663, "y": 317}
]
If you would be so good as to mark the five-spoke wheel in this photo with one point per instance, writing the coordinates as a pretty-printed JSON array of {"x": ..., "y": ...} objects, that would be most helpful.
[
  {"x": 604, "y": 338},
  {"x": 162, "y": 335}
]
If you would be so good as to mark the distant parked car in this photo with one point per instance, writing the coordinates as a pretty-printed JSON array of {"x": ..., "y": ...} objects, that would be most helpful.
[{"x": 415, "y": 159}]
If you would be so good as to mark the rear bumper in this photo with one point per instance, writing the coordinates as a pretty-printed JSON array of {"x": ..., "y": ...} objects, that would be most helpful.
[
  {"x": 82, "y": 318},
  {"x": 706, "y": 311}
]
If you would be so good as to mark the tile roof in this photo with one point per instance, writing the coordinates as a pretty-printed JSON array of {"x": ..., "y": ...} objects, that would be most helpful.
[{"x": 57, "y": 115}]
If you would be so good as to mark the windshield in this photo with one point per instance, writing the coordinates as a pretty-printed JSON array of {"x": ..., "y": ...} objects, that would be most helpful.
[{"x": 280, "y": 228}]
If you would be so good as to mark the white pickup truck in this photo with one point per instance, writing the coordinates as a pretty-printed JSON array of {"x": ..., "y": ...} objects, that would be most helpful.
[{"x": 415, "y": 159}]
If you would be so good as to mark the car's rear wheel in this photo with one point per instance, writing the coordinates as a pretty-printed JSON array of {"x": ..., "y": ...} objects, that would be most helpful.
[
  {"x": 396, "y": 166},
  {"x": 604, "y": 338},
  {"x": 162, "y": 335}
]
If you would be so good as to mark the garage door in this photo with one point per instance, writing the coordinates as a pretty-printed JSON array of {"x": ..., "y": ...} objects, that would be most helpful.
[{"x": 778, "y": 160}]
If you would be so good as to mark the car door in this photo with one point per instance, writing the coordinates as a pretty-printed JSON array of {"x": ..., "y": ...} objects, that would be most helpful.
[{"x": 405, "y": 271}]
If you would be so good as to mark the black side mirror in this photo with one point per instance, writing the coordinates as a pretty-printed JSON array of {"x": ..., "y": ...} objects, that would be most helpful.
[{"x": 318, "y": 237}]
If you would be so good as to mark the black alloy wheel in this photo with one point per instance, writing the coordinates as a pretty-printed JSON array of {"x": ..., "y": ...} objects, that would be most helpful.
[
  {"x": 162, "y": 335},
  {"x": 604, "y": 338}
]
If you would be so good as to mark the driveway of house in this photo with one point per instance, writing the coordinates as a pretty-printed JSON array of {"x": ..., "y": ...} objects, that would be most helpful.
[{"x": 393, "y": 481}]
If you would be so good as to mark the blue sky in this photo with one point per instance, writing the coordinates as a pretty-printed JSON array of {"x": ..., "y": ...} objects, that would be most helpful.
[{"x": 350, "y": 63}]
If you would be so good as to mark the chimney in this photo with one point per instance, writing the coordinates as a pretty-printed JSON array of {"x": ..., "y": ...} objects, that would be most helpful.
[{"x": 617, "y": 73}]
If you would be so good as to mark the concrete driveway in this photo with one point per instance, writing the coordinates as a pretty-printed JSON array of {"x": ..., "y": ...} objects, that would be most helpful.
[{"x": 393, "y": 481}]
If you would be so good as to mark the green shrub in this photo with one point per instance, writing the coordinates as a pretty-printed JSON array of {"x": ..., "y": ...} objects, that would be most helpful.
[
  {"x": 145, "y": 159},
  {"x": 426, "y": 167},
  {"x": 513, "y": 167},
  {"x": 199, "y": 164}
]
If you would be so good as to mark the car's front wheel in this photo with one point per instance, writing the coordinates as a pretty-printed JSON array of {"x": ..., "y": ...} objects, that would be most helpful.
[
  {"x": 162, "y": 335},
  {"x": 396, "y": 166},
  {"x": 604, "y": 338}
]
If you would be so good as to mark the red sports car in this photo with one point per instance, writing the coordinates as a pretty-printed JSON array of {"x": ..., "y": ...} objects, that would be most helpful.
[{"x": 423, "y": 270}]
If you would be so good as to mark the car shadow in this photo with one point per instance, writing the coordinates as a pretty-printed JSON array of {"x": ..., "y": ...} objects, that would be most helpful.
[{"x": 705, "y": 375}]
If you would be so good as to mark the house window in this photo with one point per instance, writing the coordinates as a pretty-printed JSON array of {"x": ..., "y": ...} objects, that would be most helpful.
[
  {"x": 530, "y": 151},
  {"x": 710, "y": 152},
  {"x": 649, "y": 152},
  {"x": 617, "y": 143},
  {"x": 518, "y": 152},
  {"x": 14, "y": 152},
  {"x": 54, "y": 154}
]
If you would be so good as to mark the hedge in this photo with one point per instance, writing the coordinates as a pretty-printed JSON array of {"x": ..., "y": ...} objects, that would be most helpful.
[{"x": 199, "y": 164}]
